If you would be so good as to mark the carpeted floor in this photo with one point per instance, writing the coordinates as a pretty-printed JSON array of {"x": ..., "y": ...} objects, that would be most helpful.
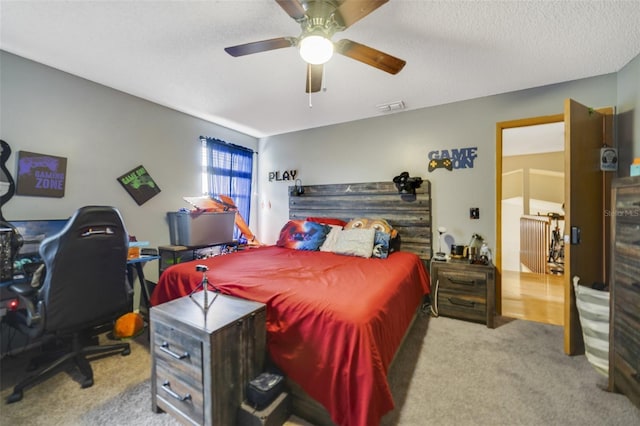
[{"x": 449, "y": 372}]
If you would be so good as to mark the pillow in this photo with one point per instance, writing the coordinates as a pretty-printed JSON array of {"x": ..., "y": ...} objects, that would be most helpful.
[
  {"x": 302, "y": 235},
  {"x": 328, "y": 221},
  {"x": 381, "y": 245},
  {"x": 331, "y": 239},
  {"x": 366, "y": 223},
  {"x": 355, "y": 242}
]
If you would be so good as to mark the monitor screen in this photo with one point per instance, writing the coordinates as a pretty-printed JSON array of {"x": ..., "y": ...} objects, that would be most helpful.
[{"x": 34, "y": 231}]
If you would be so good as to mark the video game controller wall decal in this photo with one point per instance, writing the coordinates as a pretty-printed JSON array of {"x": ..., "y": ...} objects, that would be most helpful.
[
  {"x": 462, "y": 158},
  {"x": 438, "y": 163}
]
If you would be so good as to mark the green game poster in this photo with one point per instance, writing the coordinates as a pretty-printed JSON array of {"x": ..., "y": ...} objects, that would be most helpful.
[{"x": 139, "y": 185}]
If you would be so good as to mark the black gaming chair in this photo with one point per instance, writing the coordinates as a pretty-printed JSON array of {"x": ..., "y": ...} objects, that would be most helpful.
[{"x": 85, "y": 289}]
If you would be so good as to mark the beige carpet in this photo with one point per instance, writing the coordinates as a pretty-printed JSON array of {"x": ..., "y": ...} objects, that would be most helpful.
[
  {"x": 449, "y": 372},
  {"x": 61, "y": 401}
]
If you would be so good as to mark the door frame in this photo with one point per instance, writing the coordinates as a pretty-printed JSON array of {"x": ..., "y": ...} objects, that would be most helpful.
[
  {"x": 572, "y": 332},
  {"x": 500, "y": 126}
]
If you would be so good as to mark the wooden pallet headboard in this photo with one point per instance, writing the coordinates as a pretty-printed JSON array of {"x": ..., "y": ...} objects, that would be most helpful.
[{"x": 409, "y": 215}]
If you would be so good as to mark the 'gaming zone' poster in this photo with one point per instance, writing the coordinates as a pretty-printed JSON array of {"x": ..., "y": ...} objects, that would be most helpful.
[{"x": 41, "y": 175}]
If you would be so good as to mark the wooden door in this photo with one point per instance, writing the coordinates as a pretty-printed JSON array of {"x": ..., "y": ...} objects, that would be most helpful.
[{"x": 586, "y": 194}]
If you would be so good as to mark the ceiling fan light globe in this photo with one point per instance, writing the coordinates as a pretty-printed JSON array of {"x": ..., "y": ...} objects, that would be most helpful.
[{"x": 316, "y": 49}]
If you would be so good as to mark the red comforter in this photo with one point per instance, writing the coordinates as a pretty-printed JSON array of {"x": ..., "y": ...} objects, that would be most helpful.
[{"x": 334, "y": 322}]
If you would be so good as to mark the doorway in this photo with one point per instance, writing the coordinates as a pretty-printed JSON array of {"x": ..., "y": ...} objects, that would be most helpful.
[
  {"x": 586, "y": 191},
  {"x": 530, "y": 171}
]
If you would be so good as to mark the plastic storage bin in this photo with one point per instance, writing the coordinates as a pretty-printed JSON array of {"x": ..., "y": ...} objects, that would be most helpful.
[{"x": 201, "y": 228}]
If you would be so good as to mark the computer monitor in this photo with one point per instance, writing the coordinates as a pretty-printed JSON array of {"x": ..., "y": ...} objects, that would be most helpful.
[
  {"x": 33, "y": 232},
  {"x": 28, "y": 259}
]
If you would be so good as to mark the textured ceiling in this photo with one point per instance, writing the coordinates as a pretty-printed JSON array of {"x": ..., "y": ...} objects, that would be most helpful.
[{"x": 171, "y": 53}]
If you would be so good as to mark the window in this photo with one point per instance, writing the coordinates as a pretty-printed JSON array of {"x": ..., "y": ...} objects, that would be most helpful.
[{"x": 227, "y": 170}]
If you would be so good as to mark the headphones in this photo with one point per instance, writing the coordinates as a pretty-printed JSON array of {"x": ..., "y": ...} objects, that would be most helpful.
[
  {"x": 406, "y": 184},
  {"x": 297, "y": 190}
]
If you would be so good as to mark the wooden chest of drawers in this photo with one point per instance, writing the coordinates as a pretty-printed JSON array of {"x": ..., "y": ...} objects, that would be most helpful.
[
  {"x": 200, "y": 369},
  {"x": 624, "y": 326},
  {"x": 465, "y": 291}
]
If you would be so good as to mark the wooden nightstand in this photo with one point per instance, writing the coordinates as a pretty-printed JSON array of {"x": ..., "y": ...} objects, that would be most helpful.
[
  {"x": 464, "y": 291},
  {"x": 199, "y": 370}
]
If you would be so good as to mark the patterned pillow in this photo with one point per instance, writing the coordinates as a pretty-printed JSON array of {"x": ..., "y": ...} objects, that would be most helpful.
[
  {"x": 381, "y": 245},
  {"x": 302, "y": 235},
  {"x": 367, "y": 223}
]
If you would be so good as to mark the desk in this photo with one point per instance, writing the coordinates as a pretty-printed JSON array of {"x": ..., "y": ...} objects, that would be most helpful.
[
  {"x": 172, "y": 255},
  {"x": 7, "y": 296},
  {"x": 133, "y": 265},
  {"x": 137, "y": 265}
]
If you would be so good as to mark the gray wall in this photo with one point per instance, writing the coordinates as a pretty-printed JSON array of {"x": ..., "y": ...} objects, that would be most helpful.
[
  {"x": 381, "y": 148},
  {"x": 103, "y": 133}
]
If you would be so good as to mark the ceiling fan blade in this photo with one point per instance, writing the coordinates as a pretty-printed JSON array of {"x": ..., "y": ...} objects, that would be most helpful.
[
  {"x": 314, "y": 78},
  {"x": 370, "y": 56},
  {"x": 293, "y": 8},
  {"x": 352, "y": 11},
  {"x": 260, "y": 46}
]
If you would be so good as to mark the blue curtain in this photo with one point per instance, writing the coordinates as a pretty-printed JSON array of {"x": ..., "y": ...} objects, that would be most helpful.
[{"x": 228, "y": 172}]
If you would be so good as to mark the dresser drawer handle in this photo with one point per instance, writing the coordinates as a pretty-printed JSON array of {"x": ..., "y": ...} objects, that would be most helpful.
[
  {"x": 463, "y": 282},
  {"x": 461, "y": 302},
  {"x": 165, "y": 348},
  {"x": 167, "y": 388}
]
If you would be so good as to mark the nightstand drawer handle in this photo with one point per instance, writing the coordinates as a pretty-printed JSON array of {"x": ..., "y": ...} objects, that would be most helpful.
[
  {"x": 463, "y": 282},
  {"x": 167, "y": 388},
  {"x": 165, "y": 348},
  {"x": 461, "y": 302}
]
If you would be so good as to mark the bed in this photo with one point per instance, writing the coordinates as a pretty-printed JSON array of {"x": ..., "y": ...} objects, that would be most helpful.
[{"x": 334, "y": 322}]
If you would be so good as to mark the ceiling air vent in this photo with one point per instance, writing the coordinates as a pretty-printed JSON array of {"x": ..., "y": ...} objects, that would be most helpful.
[{"x": 391, "y": 107}]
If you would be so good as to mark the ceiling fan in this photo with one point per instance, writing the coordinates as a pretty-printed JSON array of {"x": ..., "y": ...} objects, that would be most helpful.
[{"x": 320, "y": 20}]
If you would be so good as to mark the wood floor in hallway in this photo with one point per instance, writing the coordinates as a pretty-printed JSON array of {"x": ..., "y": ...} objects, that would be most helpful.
[{"x": 533, "y": 297}]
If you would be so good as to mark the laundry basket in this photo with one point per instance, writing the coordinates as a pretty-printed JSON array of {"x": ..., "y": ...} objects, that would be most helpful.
[{"x": 593, "y": 309}]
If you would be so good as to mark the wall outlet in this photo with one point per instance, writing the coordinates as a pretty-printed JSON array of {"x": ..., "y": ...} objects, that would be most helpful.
[{"x": 474, "y": 213}]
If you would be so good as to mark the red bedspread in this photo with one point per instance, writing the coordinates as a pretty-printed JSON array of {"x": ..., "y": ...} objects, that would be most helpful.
[{"x": 334, "y": 322}]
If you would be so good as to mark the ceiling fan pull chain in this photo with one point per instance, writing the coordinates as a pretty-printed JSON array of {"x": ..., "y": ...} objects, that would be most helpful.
[
  {"x": 309, "y": 85},
  {"x": 324, "y": 78}
]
